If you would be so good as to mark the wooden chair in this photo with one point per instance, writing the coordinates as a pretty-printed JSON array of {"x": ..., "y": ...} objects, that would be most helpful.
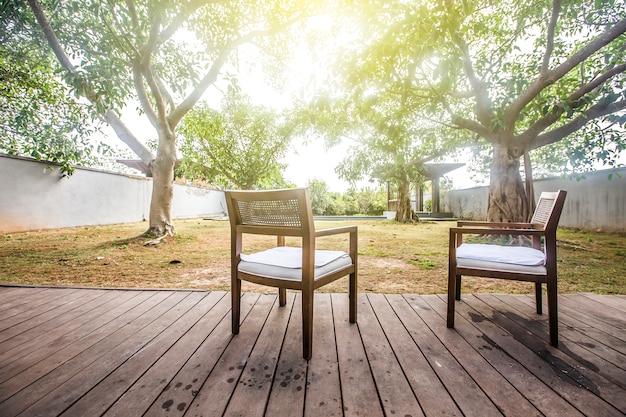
[
  {"x": 284, "y": 213},
  {"x": 511, "y": 262}
]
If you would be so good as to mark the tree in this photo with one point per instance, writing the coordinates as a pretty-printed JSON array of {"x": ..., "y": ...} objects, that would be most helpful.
[
  {"x": 165, "y": 55},
  {"x": 518, "y": 76},
  {"x": 239, "y": 146},
  {"x": 570, "y": 77},
  {"x": 319, "y": 195}
]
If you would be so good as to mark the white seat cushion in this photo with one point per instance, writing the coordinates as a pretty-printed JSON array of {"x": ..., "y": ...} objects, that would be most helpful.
[
  {"x": 517, "y": 259},
  {"x": 285, "y": 262},
  {"x": 516, "y": 255},
  {"x": 500, "y": 266}
]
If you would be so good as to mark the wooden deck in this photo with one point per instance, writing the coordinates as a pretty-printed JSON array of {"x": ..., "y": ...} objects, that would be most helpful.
[{"x": 92, "y": 352}]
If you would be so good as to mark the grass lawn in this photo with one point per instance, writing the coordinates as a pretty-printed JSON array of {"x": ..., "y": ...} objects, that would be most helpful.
[{"x": 393, "y": 258}]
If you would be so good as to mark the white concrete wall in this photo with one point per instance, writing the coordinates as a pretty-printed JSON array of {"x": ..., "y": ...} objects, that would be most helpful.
[
  {"x": 592, "y": 203},
  {"x": 34, "y": 196}
]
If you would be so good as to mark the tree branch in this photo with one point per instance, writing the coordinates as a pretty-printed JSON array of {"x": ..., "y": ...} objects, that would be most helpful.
[
  {"x": 126, "y": 136},
  {"x": 592, "y": 113},
  {"x": 133, "y": 13},
  {"x": 544, "y": 80},
  {"x": 142, "y": 95},
  {"x": 50, "y": 36},
  {"x": 483, "y": 104},
  {"x": 147, "y": 72},
  {"x": 556, "y": 10},
  {"x": 110, "y": 116},
  {"x": 479, "y": 129},
  {"x": 181, "y": 18},
  {"x": 574, "y": 100},
  {"x": 211, "y": 76}
]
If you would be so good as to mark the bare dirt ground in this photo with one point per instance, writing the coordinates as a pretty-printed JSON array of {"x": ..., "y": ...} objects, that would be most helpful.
[{"x": 393, "y": 258}]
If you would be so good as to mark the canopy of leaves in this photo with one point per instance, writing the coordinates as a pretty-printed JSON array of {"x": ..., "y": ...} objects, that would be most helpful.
[
  {"x": 238, "y": 147},
  {"x": 39, "y": 118},
  {"x": 524, "y": 74}
]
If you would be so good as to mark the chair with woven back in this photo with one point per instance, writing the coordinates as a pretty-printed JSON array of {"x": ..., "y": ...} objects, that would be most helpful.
[
  {"x": 531, "y": 264},
  {"x": 287, "y": 213}
]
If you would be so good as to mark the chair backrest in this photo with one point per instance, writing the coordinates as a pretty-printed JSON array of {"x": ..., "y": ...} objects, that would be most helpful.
[
  {"x": 275, "y": 212},
  {"x": 548, "y": 211}
]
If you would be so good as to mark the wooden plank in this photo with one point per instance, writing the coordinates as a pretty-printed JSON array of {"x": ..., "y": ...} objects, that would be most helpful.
[
  {"x": 502, "y": 358},
  {"x": 146, "y": 340},
  {"x": 164, "y": 355},
  {"x": 61, "y": 331},
  {"x": 86, "y": 353},
  {"x": 613, "y": 302},
  {"x": 39, "y": 325},
  {"x": 24, "y": 297},
  {"x": 250, "y": 396},
  {"x": 36, "y": 320},
  {"x": 499, "y": 390},
  {"x": 215, "y": 393},
  {"x": 286, "y": 396},
  {"x": 183, "y": 386},
  {"x": 576, "y": 343},
  {"x": 432, "y": 395},
  {"x": 358, "y": 388},
  {"x": 394, "y": 390},
  {"x": 25, "y": 369},
  {"x": 15, "y": 316},
  {"x": 589, "y": 366},
  {"x": 563, "y": 376},
  {"x": 470, "y": 399},
  {"x": 582, "y": 318},
  {"x": 567, "y": 317},
  {"x": 608, "y": 315},
  {"x": 323, "y": 389}
]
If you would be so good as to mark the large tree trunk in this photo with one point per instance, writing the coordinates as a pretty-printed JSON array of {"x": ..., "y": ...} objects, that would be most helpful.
[
  {"x": 163, "y": 185},
  {"x": 507, "y": 197},
  {"x": 404, "y": 211}
]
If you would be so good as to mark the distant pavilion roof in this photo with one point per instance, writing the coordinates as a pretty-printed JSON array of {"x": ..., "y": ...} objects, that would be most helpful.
[
  {"x": 432, "y": 171},
  {"x": 137, "y": 164}
]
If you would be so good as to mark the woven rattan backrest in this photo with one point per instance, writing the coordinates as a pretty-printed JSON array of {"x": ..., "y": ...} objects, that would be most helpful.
[
  {"x": 270, "y": 212},
  {"x": 543, "y": 210},
  {"x": 282, "y": 212},
  {"x": 548, "y": 209}
]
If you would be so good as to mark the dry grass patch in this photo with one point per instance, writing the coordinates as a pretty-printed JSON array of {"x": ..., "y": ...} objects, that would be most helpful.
[{"x": 393, "y": 258}]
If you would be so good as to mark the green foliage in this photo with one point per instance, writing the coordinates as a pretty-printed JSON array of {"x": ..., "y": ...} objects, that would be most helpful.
[
  {"x": 367, "y": 201},
  {"x": 427, "y": 77},
  {"x": 39, "y": 116},
  {"x": 240, "y": 146}
]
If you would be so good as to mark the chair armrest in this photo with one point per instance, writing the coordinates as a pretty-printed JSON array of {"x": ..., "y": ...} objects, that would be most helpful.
[
  {"x": 500, "y": 225},
  {"x": 456, "y": 235},
  {"x": 494, "y": 231},
  {"x": 335, "y": 231},
  {"x": 352, "y": 230}
]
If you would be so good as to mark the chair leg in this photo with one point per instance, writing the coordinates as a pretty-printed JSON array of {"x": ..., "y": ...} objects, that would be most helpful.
[
  {"x": 282, "y": 297},
  {"x": 553, "y": 318},
  {"x": 538, "y": 301},
  {"x": 453, "y": 283},
  {"x": 236, "y": 305},
  {"x": 307, "y": 323},
  {"x": 353, "y": 297},
  {"x": 458, "y": 287}
]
